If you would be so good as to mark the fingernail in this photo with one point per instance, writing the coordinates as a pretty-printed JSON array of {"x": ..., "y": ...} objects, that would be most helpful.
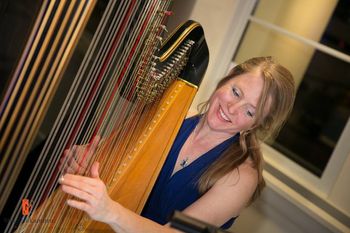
[{"x": 61, "y": 179}]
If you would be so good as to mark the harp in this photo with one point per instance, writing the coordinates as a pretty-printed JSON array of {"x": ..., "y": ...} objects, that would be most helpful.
[{"x": 130, "y": 88}]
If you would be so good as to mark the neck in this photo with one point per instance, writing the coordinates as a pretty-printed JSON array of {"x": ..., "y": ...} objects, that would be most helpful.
[{"x": 203, "y": 134}]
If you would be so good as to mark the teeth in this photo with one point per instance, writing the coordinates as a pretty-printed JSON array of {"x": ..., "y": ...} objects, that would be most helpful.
[{"x": 223, "y": 115}]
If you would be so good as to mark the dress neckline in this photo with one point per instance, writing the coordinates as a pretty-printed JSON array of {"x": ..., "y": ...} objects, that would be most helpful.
[{"x": 202, "y": 157}]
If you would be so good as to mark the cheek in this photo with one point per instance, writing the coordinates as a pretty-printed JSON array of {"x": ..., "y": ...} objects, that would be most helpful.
[
  {"x": 220, "y": 97},
  {"x": 214, "y": 102},
  {"x": 244, "y": 122}
]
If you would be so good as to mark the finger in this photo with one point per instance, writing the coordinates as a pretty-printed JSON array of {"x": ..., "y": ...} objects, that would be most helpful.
[
  {"x": 62, "y": 163},
  {"x": 100, "y": 140},
  {"x": 91, "y": 149},
  {"x": 79, "y": 193},
  {"x": 70, "y": 152},
  {"x": 67, "y": 155},
  {"x": 72, "y": 167},
  {"x": 81, "y": 154},
  {"x": 95, "y": 142},
  {"x": 73, "y": 164},
  {"x": 69, "y": 170},
  {"x": 94, "y": 170},
  {"x": 78, "y": 204},
  {"x": 78, "y": 181}
]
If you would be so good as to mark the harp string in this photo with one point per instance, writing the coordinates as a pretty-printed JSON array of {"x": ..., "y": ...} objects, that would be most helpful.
[
  {"x": 105, "y": 127},
  {"x": 20, "y": 84},
  {"x": 43, "y": 89},
  {"x": 104, "y": 160},
  {"x": 20, "y": 74},
  {"x": 106, "y": 108},
  {"x": 22, "y": 197},
  {"x": 128, "y": 126},
  {"x": 55, "y": 131},
  {"x": 107, "y": 95},
  {"x": 120, "y": 134},
  {"x": 113, "y": 152},
  {"x": 111, "y": 165},
  {"x": 24, "y": 56},
  {"x": 18, "y": 136},
  {"x": 77, "y": 124},
  {"x": 85, "y": 153}
]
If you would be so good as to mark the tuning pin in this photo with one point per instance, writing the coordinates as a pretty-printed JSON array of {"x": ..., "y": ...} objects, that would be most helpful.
[
  {"x": 156, "y": 77},
  {"x": 190, "y": 42},
  {"x": 167, "y": 67},
  {"x": 160, "y": 39},
  {"x": 167, "y": 13},
  {"x": 163, "y": 27},
  {"x": 155, "y": 57}
]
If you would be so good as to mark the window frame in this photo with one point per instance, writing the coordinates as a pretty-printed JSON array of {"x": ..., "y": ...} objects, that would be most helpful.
[{"x": 322, "y": 186}]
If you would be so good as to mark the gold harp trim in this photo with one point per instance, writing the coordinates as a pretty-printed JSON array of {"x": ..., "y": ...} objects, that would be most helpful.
[
  {"x": 183, "y": 35},
  {"x": 126, "y": 187},
  {"x": 188, "y": 83}
]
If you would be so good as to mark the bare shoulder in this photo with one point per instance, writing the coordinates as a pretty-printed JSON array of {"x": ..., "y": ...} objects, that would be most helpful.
[
  {"x": 228, "y": 196},
  {"x": 245, "y": 175}
]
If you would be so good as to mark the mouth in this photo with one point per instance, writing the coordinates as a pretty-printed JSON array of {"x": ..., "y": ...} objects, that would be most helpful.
[{"x": 223, "y": 115}]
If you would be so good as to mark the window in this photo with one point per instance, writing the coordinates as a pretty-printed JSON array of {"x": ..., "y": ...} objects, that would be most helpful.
[{"x": 314, "y": 45}]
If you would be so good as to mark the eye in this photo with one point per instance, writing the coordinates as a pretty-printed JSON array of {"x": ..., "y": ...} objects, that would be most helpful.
[
  {"x": 235, "y": 92},
  {"x": 250, "y": 114}
]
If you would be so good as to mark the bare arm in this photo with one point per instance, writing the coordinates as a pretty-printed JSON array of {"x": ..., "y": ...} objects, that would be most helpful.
[
  {"x": 219, "y": 204},
  {"x": 227, "y": 198},
  {"x": 127, "y": 221},
  {"x": 95, "y": 201}
]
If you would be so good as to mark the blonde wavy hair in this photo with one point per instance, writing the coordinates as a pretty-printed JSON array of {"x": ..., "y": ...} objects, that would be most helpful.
[{"x": 279, "y": 90}]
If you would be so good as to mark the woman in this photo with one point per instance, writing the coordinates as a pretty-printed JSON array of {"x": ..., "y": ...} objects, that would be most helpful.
[{"x": 214, "y": 168}]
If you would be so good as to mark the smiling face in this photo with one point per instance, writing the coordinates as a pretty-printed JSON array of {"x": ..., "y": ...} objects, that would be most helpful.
[{"x": 233, "y": 106}]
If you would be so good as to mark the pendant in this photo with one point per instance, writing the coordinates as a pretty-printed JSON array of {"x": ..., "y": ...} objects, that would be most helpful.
[{"x": 184, "y": 162}]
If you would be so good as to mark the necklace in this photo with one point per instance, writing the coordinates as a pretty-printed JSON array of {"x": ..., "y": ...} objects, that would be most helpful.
[{"x": 184, "y": 162}]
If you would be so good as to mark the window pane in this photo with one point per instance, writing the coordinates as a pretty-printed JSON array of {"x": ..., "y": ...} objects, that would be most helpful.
[
  {"x": 302, "y": 18},
  {"x": 337, "y": 34},
  {"x": 321, "y": 110},
  {"x": 322, "y": 106}
]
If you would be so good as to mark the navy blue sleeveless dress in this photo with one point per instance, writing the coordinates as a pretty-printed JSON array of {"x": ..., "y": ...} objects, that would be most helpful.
[{"x": 180, "y": 190}]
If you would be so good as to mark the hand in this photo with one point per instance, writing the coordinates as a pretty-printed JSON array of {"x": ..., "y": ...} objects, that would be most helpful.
[
  {"x": 92, "y": 192},
  {"x": 76, "y": 160}
]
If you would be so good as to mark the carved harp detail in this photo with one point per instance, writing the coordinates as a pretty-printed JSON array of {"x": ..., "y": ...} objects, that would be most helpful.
[{"x": 81, "y": 81}]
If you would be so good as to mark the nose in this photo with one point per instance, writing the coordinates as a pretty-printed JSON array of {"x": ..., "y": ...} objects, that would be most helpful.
[{"x": 233, "y": 108}]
